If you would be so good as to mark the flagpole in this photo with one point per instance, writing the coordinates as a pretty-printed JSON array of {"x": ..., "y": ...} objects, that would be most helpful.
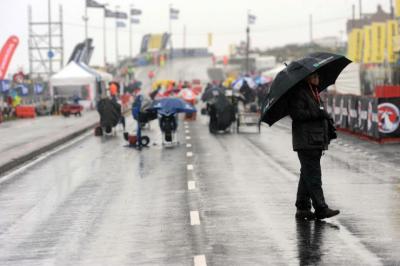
[
  {"x": 105, "y": 37},
  {"x": 170, "y": 30},
  {"x": 130, "y": 31},
  {"x": 86, "y": 20},
  {"x": 247, "y": 43},
  {"x": 116, "y": 37}
]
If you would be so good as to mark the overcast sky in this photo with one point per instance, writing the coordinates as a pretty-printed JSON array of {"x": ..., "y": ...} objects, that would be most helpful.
[{"x": 278, "y": 22}]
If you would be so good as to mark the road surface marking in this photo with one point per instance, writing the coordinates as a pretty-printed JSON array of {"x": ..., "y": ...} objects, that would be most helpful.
[
  {"x": 187, "y": 131},
  {"x": 194, "y": 218},
  {"x": 185, "y": 123},
  {"x": 43, "y": 156},
  {"x": 186, "y": 127},
  {"x": 188, "y": 145},
  {"x": 190, "y": 167},
  {"x": 200, "y": 260},
  {"x": 188, "y": 137},
  {"x": 189, "y": 154},
  {"x": 191, "y": 185}
]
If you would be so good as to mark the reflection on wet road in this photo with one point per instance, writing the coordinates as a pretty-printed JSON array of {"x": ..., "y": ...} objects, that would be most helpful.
[{"x": 225, "y": 199}]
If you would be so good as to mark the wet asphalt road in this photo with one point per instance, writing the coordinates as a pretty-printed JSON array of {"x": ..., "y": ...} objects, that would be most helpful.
[
  {"x": 224, "y": 199},
  {"x": 97, "y": 202}
]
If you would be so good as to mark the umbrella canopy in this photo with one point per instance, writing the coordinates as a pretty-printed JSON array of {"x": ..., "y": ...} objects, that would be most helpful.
[
  {"x": 237, "y": 84},
  {"x": 172, "y": 105},
  {"x": 327, "y": 65},
  {"x": 211, "y": 93}
]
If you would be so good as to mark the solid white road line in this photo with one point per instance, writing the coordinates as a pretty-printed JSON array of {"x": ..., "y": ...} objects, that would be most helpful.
[
  {"x": 41, "y": 157},
  {"x": 191, "y": 185},
  {"x": 200, "y": 260},
  {"x": 190, "y": 167},
  {"x": 194, "y": 218},
  {"x": 188, "y": 145},
  {"x": 189, "y": 154}
]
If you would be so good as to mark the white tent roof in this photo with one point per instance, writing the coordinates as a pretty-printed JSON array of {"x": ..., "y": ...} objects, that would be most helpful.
[
  {"x": 72, "y": 74},
  {"x": 273, "y": 72}
]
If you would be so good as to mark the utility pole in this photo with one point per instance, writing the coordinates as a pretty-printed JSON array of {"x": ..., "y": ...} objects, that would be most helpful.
[
  {"x": 105, "y": 37},
  {"x": 184, "y": 39},
  {"x": 86, "y": 18},
  {"x": 311, "y": 29},
  {"x": 50, "y": 52},
  {"x": 360, "y": 6},
  {"x": 170, "y": 30},
  {"x": 116, "y": 37},
  {"x": 130, "y": 31}
]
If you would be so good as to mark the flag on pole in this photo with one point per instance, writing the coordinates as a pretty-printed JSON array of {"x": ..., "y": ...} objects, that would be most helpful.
[
  {"x": 136, "y": 12},
  {"x": 115, "y": 14},
  {"x": 135, "y": 21},
  {"x": 121, "y": 24},
  {"x": 251, "y": 19},
  {"x": 173, "y": 13},
  {"x": 94, "y": 4}
]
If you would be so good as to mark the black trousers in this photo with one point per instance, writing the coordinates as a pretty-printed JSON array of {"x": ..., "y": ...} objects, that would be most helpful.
[{"x": 310, "y": 183}]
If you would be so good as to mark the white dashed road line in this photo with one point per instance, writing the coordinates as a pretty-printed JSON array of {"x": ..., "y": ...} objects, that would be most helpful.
[
  {"x": 189, "y": 154},
  {"x": 191, "y": 185},
  {"x": 187, "y": 131},
  {"x": 194, "y": 218},
  {"x": 189, "y": 167},
  {"x": 188, "y": 145},
  {"x": 199, "y": 260},
  {"x": 188, "y": 137}
]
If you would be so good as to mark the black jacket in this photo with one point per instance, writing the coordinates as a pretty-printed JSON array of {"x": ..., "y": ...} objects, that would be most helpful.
[
  {"x": 310, "y": 123},
  {"x": 110, "y": 112}
]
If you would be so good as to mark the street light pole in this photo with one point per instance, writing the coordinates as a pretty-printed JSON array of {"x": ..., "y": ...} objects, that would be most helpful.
[
  {"x": 247, "y": 43},
  {"x": 130, "y": 31},
  {"x": 86, "y": 18},
  {"x": 50, "y": 52},
  {"x": 105, "y": 36},
  {"x": 116, "y": 37}
]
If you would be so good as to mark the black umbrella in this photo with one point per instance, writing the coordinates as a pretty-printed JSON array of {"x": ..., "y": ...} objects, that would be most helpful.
[
  {"x": 327, "y": 65},
  {"x": 212, "y": 93}
]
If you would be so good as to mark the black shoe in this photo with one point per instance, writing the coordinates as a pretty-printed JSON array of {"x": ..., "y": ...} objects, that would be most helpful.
[
  {"x": 326, "y": 213},
  {"x": 305, "y": 215}
]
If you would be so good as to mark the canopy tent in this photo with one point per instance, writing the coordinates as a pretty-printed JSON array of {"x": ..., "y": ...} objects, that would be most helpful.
[
  {"x": 78, "y": 79},
  {"x": 273, "y": 72}
]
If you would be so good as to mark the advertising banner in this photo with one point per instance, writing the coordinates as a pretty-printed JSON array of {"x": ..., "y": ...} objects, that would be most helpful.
[
  {"x": 155, "y": 42},
  {"x": 378, "y": 34},
  {"x": 392, "y": 34},
  {"x": 6, "y": 54},
  {"x": 367, "y": 45},
  {"x": 372, "y": 118},
  {"x": 389, "y": 117},
  {"x": 362, "y": 115},
  {"x": 344, "y": 112},
  {"x": 354, "y": 49},
  {"x": 352, "y": 102},
  {"x": 337, "y": 110},
  {"x": 145, "y": 43}
]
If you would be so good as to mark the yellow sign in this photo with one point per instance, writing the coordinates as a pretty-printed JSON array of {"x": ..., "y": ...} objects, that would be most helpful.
[
  {"x": 391, "y": 38},
  {"x": 397, "y": 8},
  {"x": 210, "y": 39},
  {"x": 367, "y": 45},
  {"x": 378, "y": 42},
  {"x": 155, "y": 42},
  {"x": 354, "y": 46}
]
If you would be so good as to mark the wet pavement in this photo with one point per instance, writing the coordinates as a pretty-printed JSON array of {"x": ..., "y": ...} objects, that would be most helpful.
[{"x": 225, "y": 199}]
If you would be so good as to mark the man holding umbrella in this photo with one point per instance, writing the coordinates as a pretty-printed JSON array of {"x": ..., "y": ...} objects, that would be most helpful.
[{"x": 295, "y": 92}]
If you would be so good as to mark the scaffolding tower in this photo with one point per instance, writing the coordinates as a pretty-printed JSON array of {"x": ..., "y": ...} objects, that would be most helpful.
[{"x": 46, "y": 45}]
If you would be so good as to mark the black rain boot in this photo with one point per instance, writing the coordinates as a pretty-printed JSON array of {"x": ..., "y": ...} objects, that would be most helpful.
[{"x": 326, "y": 213}]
